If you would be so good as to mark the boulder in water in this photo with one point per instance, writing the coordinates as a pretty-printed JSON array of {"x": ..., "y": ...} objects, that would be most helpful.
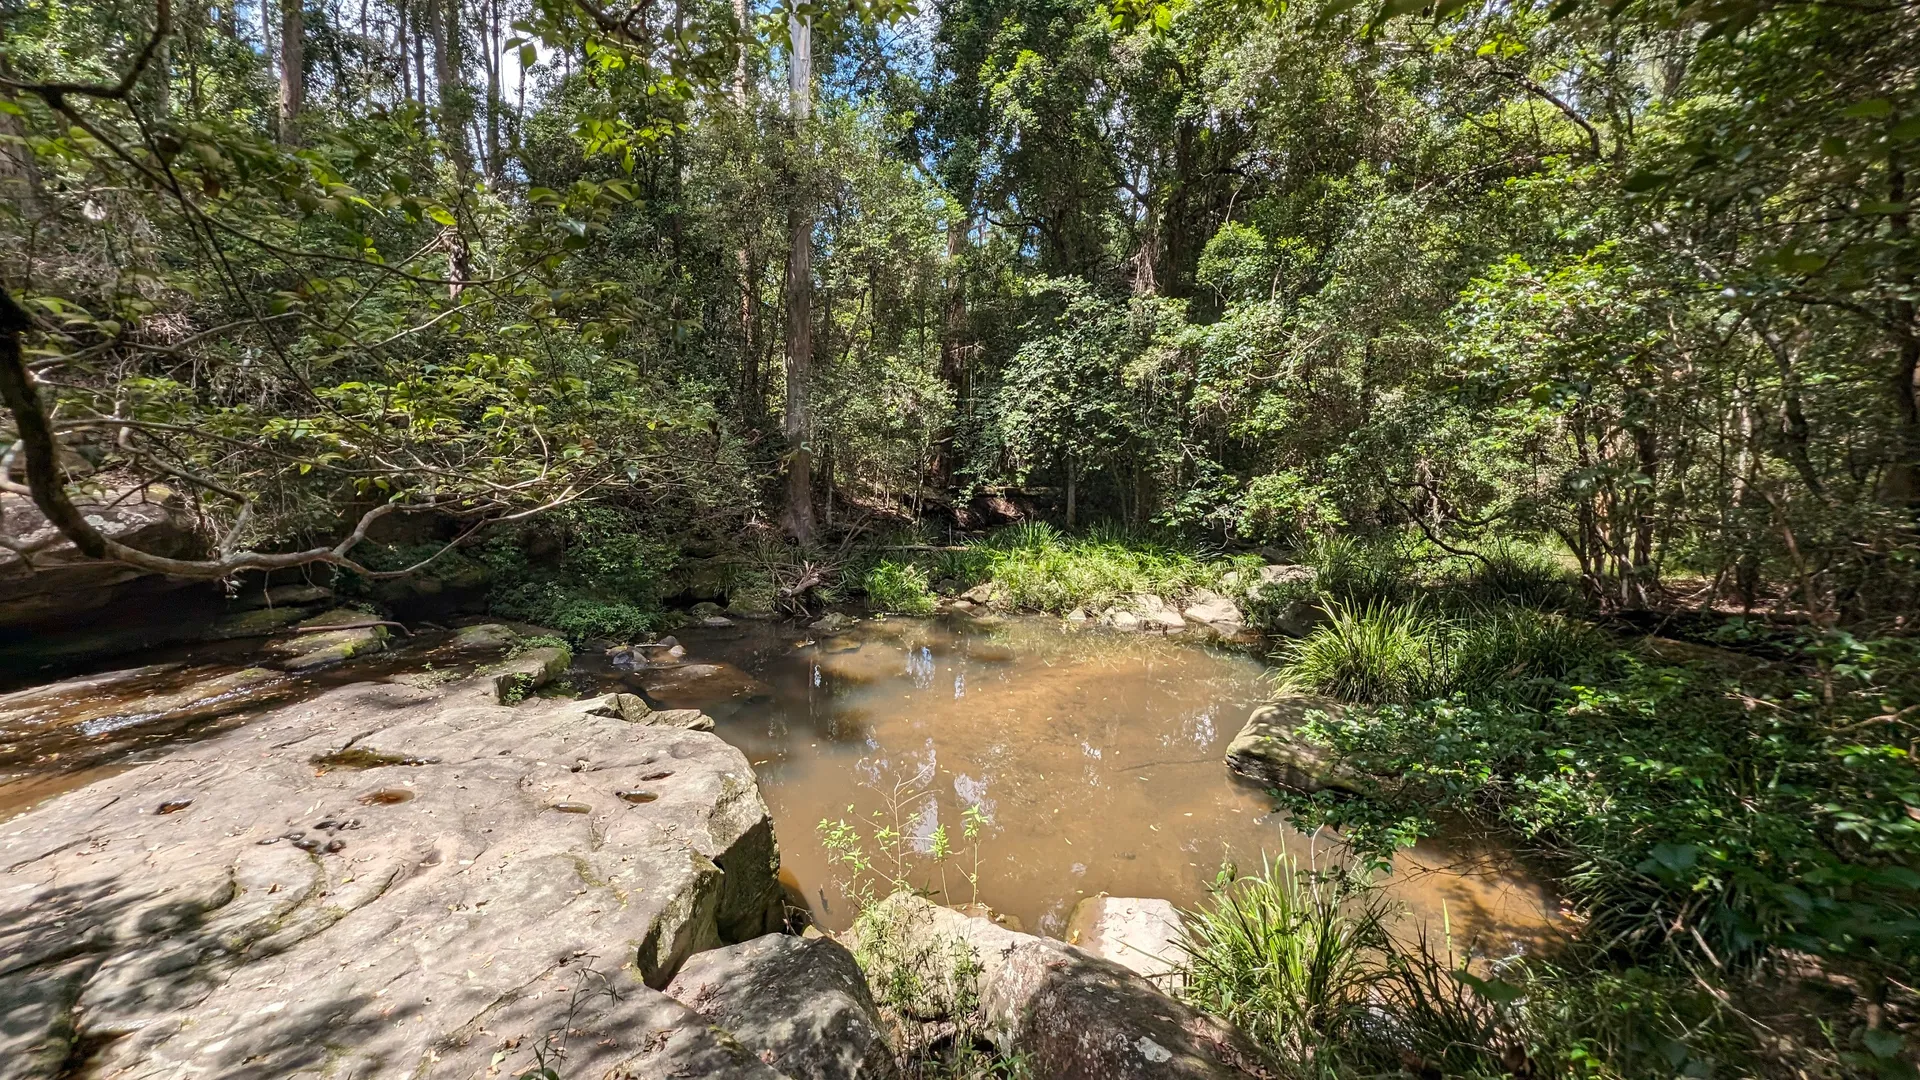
[
  {"x": 484, "y": 637},
  {"x": 833, "y": 622},
  {"x": 314, "y": 645},
  {"x": 1141, "y": 934},
  {"x": 1267, "y": 750},
  {"x": 527, "y": 671}
]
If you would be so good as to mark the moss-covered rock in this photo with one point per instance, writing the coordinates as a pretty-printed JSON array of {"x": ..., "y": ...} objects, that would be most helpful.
[{"x": 1269, "y": 750}]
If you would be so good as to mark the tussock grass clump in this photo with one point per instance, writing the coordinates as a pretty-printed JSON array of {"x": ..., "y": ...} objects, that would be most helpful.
[
  {"x": 1398, "y": 654},
  {"x": 899, "y": 587},
  {"x": 1287, "y": 955},
  {"x": 1515, "y": 572},
  {"x": 1379, "y": 654},
  {"x": 1304, "y": 963}
]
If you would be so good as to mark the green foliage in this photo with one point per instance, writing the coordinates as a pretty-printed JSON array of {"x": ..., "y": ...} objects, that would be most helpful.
[
  {"x": 1037, "y": 568},
  {"x": 1379, "y": 653},
  {"x": 598, "y": 575},
  {"x": 1285, "y": 955},
  {"x": 1704, "y": 819},
  {"x": 901, "y": 587},
  {"x": 915, "y": 972},
  {"x": 1306, "y": 963}
]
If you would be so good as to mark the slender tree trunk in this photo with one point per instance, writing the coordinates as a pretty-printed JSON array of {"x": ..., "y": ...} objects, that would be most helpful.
[
  {"x": 419, "y": 37},
  {"x": 267, "y": 38},
  {"x": 493, "y": 90},
  {"x": 401, "y": 51},
  {"x": 162, "y": 76},
  {"x": 800, "y": 288},
  {"x": 953, "y": 346},
  {"x": 443, "y": 20},
  {"x": 293, "y": 79},
  {"x": 752, "y": 398},
  {"x": 1073, "y": 481},
  {"x": 1902, "y": 487}
]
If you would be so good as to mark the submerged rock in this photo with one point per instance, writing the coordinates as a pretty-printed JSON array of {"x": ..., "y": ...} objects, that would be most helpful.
[
  {"x": 101, "y": 704},
  {"x": 703, "y": 684},
  {"x": 430, "y": 916},
  {"x": 1267, "y": 750},
  {"x": 1069, "y": 1014},
  {"x": 484, "y": 637},
  {"x": 801, "y": 1004},
  {"x": 1143, "y": 935},
  {"x": 833, "y": 622},
  {"x": 316, "y": 646}
]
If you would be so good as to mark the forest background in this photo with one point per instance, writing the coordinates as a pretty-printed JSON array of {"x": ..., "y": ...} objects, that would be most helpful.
[{"x": 573, "y": 303}]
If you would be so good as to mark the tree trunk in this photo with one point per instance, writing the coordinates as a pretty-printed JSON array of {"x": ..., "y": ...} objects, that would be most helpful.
[
  {"x": 492, "y": 37},
  {"x": 1902, "y": 487},
  {"x": 162, "y": 77},
  {"x": 418, "y": 37},
  {"x": 293, "y": 77},
  {"x": 800, "y": 289},
  {"x": 1073, "y": 478},
  {"x": 752, "y": 397},
  {"x": 267, "y": 36},
  {"x": 443, "y": 21}
]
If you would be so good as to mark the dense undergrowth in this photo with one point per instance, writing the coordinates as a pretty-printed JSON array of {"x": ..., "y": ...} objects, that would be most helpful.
[
  {"x": 1736, "y": 830},
  {"x": 1038, "y": 568}
]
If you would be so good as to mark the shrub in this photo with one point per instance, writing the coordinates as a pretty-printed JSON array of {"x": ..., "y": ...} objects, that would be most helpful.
[
  {"x": 1403, "y": 653},
  {"x": 1041, "y": 570},
  {"x": 1352, "y": 570},
  {"x": 901, "y": 587},
  {"x": 1521, "y": 653}
]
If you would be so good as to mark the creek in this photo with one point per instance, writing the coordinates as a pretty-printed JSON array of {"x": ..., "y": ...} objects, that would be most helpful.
[{"x": 1094, "y": 757}]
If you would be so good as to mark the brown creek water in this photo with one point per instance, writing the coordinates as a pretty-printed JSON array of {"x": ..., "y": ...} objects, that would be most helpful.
[{"x": 1095, "y": 757}]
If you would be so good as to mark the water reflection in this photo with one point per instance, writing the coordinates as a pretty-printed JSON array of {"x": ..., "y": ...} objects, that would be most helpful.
[{"x": 1095, "y": 759}]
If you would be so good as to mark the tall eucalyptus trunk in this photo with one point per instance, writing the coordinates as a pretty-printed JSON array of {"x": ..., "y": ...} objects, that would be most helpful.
[
  {"x": 293, "y": 61},
  {"x": 800, "y": 523},
  {"x": 752, "y": 392}
]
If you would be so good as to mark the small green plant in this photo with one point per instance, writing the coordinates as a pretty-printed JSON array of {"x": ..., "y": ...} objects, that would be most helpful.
[
  {"x": 900, "y": 853},
  {"x": 915, "y": 973},
  {"x": 899, "y": 587},
  {"x": 1285, "y": 954}
]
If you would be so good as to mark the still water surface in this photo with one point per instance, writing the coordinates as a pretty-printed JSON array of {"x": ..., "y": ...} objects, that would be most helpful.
[{"x": 1096, "y": 757}]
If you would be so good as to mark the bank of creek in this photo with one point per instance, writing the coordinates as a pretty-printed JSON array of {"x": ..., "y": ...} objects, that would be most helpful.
[{"x": 1095, "y": 756}]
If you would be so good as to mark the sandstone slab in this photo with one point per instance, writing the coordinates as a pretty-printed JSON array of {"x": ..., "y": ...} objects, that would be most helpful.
[{"x": 385, "y": 880}]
